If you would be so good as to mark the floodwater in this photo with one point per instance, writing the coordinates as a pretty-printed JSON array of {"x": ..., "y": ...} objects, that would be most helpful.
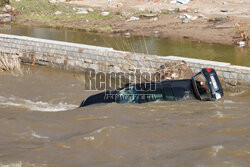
[
  {"x": 40, "y": 125},
  {"x": 148, "y": 45}
]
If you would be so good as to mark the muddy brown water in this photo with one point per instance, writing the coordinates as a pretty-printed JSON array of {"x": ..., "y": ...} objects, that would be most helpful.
[
  {"x": 148, "y": 45},
  {"x": 40, "y": 125}
]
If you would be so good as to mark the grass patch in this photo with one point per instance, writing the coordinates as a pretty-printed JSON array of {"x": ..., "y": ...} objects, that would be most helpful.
[{"x": 44, "y": 12}]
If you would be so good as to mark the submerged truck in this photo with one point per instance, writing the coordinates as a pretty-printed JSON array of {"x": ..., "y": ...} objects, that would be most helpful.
[{"x": 204, "y": 86}]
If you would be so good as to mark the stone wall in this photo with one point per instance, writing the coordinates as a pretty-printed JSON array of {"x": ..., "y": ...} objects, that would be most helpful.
[{"x": 79, "y": 57}]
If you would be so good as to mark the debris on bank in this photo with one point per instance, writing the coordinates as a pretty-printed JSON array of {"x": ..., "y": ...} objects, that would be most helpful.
[
  {"x": 5, "y": 18},
  {"x": 241, "y": 43},
  {"x": 105, "y": 13},
  {"x": 173, "y": 70},
  {"x": 6, "y": 13},
  {"x": 133, "y": 18},
  {"x": 127, "y": 34},
  {"x": 187, "y": 18},
  {"x": 148, "y": 15},
  {"x": 180, "y": 2},
  {"x": 83, "y": 10},
  {"x": 9, "y": 62},
  {"x": 57, "y": 1},
  {"x": 219, "y": 20},
  {"x": 241, "y": 36},
  {"x": 57, "y": 13}
]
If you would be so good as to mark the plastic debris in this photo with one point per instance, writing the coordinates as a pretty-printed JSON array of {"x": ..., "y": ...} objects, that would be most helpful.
[
  {"x": 56, "y": 1},
  {"x": 141, "y": 9},
  {"x": 154, "y": 19},
  {"x": 8, "y": 7},
  {"x": 90, "y": 10},
  {"x": 241, "y": 43},
  {"x": 58, "y": 13},
  {"x": 173, "y": 2},
  {"x": 14, "y": 10},
  {"x": 82, "y": 12},
  {"x": 133, "y": 18},
  {"x": 179, "y": 1},
  {"x": 156, "y": 32},
  {"x": 105, "y": 13},
  {"x": 224, "y": 10},
  {"x": 183, "y": 1},
  {"x": 186, "y": 18},
  {"x": 119, "y": 5},
  {"x": 52, "y": 1},
  {"x": 127, "y": 34},
  {"x": 194, "y": 18},
  {"x": 202, "y": 16}
]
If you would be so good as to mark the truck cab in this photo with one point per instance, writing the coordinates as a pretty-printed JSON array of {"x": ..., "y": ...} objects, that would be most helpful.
[{"x": 204, "y": 86}]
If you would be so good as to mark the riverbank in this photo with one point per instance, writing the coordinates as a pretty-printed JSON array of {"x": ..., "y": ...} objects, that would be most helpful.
[{"x": 204, "y": 23}]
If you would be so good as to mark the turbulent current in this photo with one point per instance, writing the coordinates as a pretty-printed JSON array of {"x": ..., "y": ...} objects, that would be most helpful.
[{"x": 41, "y": 125}]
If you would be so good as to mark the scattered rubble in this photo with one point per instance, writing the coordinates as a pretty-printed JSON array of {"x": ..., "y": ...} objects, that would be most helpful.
[{"x": 219, "y": 20}]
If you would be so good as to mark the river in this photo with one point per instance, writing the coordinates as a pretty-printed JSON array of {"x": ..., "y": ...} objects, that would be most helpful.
[
  {"x": 42, "y": 126},
  {"x": 148, "y": 45}
]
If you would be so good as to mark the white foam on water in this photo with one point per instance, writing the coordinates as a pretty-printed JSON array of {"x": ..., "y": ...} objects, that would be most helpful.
[
  {"x": 216, "y": 149},
  {"x": 34, "y": 134},
  {"x": 105, "y": 128},
  {"x": 238, "y": 93},
  {"x": 20, "y": 164},
  {"x": 16, "y": 164},
  {"x": 35, "y": 106},
  {"x": 104, "y": 131},
  {"x": 219, "y": 114},
  {"x": 90, "y": 138},
  {"x": 228, "y": 101}
]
